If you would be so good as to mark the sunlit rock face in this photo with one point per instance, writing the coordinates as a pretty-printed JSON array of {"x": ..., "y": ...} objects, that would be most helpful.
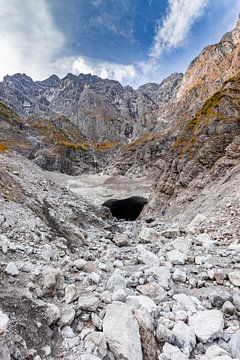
[{"x": 102, "y": 109}]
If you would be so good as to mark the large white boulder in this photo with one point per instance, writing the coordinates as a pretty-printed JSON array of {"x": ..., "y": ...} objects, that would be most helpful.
[
  {"x": 207, "y": 324},
  {"x": 122, "y": 332}
]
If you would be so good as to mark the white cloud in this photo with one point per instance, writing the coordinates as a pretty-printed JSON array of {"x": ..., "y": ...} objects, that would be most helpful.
[
  {"x": 177, "y": 24},
  {"x": 28, "y": 37},
  {"x": 78, "y": 65}
]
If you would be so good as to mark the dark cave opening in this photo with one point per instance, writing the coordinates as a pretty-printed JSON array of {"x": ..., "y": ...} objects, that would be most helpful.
[{"x": 127, "y": 209}]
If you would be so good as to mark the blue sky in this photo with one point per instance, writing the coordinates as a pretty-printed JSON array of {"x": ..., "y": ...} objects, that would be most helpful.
[{"x": 133, "y": 41}]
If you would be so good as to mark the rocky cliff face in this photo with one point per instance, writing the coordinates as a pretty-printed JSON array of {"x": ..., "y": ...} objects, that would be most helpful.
[
  {"x": 201, "y": 139},
  {"x": 103, "y": 110}
]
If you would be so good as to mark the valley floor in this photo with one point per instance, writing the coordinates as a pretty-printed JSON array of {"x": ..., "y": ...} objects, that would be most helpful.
[{"x": 77, "y": 284}]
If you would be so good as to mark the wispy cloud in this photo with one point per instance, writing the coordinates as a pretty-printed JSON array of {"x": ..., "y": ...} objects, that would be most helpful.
[
  {"x": 29, "y": 39},
  {"x": 176, "y": 24}
]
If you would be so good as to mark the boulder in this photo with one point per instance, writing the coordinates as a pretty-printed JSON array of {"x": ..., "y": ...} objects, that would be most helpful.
[{"x": 121, "y": 331}]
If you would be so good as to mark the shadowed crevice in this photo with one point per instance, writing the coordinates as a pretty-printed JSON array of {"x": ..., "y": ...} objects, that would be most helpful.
[{"x": 127, "y": 209}]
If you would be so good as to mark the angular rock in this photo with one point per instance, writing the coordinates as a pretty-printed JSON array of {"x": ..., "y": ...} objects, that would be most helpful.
[
  {"x": 71, "y": 293},
  {"x": 115, "y": 282},
  {"x": 98, "y": 339},
  {"x": 97, "y": 322},
  {"x": 94, "y": 277},
  {"x": 146, "y": 326},
  {"x": 153, "y": 290},
  {"x": 215, "y": 352},
  {"x": 234, "y": 277},
  {"x": 68, "y": 315},
  {"x": 179, "y": 276},
  {"x": 219, "y": 297},
  {"x": 162, "y": 275},
  {"x": 12, "y": 269},
  {"x": 228, "y": 308},
  {"x": 122, "y": 332},
  {"x": 234, "y": 345},
  {"x": 149, "y": 258},
  {"x": 207, "y": 324},
  {"x": 184, "y": 336},
  {"x": 52, "y": 281},
  {"x": 80, "y": 263},
  {"x": 186, "y": 302},
  {"x": 88, "y": 303},
  {"x": 120, "y": 295},
  {"x": 4, "y": 321},
  {"x": 67, "y": 332},
  {"x": 121, "y": 240},
  {"x": 176, "y": 257},
  {"x": 163, "y": 334},
  {"x": 52, "y": 314},
  {"x": 135, "y": 302},
  {"x": 173, "y": 353}
]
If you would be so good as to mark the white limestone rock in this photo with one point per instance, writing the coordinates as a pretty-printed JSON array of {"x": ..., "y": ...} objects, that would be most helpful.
[
  {"x": 186, "y": 302},
  {"x": 162, "y": 275},
  {"x": 184, "y": 335},
  {"x": 179, "y": 276},
  {"x": 153, "y": 290},
  {"x": 80, "y": 263},
  {"x": 234, "y": 345},
  {"x": 163, "y": 334},
  {"x": 68, "y": 315},
  {"x": 52, "y": 314},
  {"x": 173, "y": 353},
  {"x": 67, "y": 332},
  {"x": 88, "y": 303},
  {"x": 135, "y": 302},
  {"x": 4, "y": 321},
  {"x": 98, "y": 339},
  {"x": 176, "y": 257},
  {"x": 216, "y": 352},
  {"x": 71, "y": 293},
  {"x": 12, "y": 269},
  {"x": 149, "y": 258},
  {"x": 122, "y": 332},
  {"x": 207, "y": 324},
  {"x": 120, "y": 295},
  {"x": 234, "y": 277},
  {"x": 116, "y": 281}
]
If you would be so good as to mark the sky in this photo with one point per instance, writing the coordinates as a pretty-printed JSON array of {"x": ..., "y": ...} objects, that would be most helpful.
[{"x": 132, "y": 41}]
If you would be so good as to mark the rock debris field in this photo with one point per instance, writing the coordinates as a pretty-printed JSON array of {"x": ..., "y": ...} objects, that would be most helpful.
[{"x": 77, "y": 284}]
